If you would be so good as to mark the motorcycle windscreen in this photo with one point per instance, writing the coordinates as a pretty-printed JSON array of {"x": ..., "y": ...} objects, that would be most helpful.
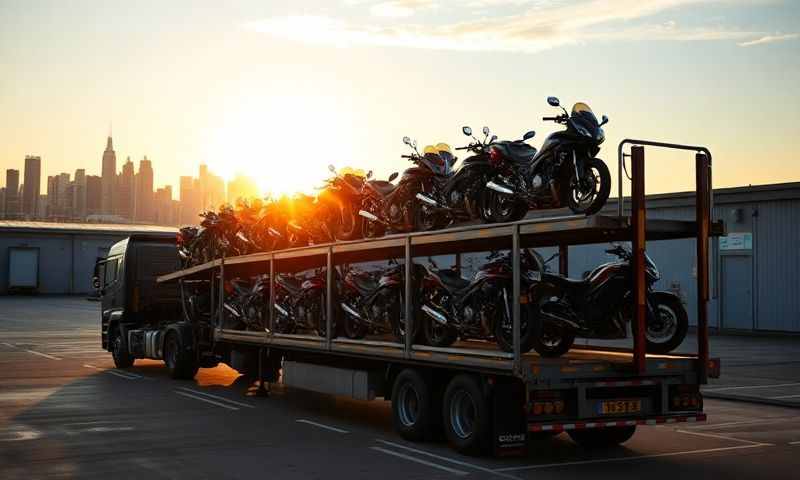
[
  {"x": 583, "y": 114},
  {"x": 437, "y": 164}
]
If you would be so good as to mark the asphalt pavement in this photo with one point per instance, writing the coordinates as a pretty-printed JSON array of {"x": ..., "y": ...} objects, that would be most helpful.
[{"x": 65, "y": 412}]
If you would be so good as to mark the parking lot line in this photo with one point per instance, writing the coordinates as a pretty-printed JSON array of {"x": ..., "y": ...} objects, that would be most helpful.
[
  {"x": 782, "y": 397},
  {"x": 743, "y": 422},
  {"x": 632, "y": 458},
  {"x": 446, "y": 459},
  {"x": 125, "y": 375},
  {"x": 750, "y": 387},
  {"x": 326, "y": 427},
  {"x": 241, "y": 404},
  {"x": 723, "y": 437},
  {"x": 420, "y": 461},
  {"x": 51, "y": 357},
  {"x": 212, "y": 402}
]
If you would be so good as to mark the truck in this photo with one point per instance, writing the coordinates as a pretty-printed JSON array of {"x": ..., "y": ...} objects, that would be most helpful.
[{"x": 483, "y": 400}]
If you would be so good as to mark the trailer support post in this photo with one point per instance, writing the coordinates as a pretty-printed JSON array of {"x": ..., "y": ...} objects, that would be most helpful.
[
  {"x": 703, "y": 209},
  {"x": 515, "y": 309},
  {"x": 563, "y": 260},
  {"x": 329, "y": 299},
  {"x": 220, "y": 310},
  {"x": 271, "y": 307},
  {"x": 408, "y": 300},
  {"x": 638, "y": 222}
]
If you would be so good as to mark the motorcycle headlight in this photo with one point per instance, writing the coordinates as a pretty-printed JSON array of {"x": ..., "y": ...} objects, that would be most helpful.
[{"x": 583, "y": 131}]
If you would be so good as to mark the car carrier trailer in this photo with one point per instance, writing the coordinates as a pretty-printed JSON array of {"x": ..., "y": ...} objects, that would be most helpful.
[{"x": 482, "y": 398}]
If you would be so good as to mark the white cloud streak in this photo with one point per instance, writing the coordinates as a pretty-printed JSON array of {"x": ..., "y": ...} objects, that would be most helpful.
[
  {"x": 543, "y": 25},
  {"x": 770, "y": 39}
]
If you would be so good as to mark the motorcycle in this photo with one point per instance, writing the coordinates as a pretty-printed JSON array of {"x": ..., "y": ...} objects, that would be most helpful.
[
  {"x": 341, "y": 196},
  {"x": 184, "y": 240},
  {"x": 564, "y": 172},
  {"x": 308, "y": 223},
  {"x": 374, "y": 303},
  {"x": 410, "y": 205},
  {"x": 480, "y": 307},
  {"x": 245, "y": 303},
  {"x": 601, "y": 306},
  {"x": 300, "y": 304}
]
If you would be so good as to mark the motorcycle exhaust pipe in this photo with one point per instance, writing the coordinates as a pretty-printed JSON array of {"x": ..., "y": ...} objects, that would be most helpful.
[
  {"x": 282, "y": 310},
  {"x": 274, "y": 232},
  {"x": 349, "y": 310},
  {"x": 435, "y": 315},
  {"x": 499, "y": 188},
  {"x": 232, "y": 310},
  {"x": 371, "y": 217},
  {"x": 427, "y": 200}
]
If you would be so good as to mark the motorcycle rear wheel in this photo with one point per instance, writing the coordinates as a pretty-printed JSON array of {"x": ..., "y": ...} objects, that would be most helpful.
[
  {"x": 505, "y": 336},
  {"x": 348, "y": 225},
  {"x": 598, "y": 178}
]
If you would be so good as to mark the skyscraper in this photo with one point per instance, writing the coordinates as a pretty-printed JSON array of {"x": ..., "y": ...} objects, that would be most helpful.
[
  {"x": 144, "y": 192},
  {"x": 79, "y": 195},
  {"x": 94, "y": 195},
  {"x": 109, "y": 175},
  {"x": 125, "y": 194},
  {"x": 32, "y": 180},
  {"x": 12, "y": 209}
]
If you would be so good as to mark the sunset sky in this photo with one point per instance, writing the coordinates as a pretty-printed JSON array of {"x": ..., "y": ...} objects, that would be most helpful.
[{"x": 278, "y": 90}]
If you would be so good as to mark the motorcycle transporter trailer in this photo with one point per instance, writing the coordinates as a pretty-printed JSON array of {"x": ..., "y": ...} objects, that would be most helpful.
[{"x": 486, "y": 400}]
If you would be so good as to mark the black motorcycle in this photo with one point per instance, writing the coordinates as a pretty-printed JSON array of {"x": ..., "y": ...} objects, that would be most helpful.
[
  {"x": 409, "y": 205},
  {"x": 245, "y": 303},
  {"x": 300, "y": 303},
  {"x": 601, "y": 306},
  {"x": 341, "y": 197},
  {"x": 564, "y": 172},
  {"x": 480, "y": 308},
  {"x": 373, "y": 302}
]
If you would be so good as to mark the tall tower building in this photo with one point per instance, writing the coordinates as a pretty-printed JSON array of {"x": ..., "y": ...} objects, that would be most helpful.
[
  {"x": 109, "y": 175},
  {"x": 144, "y": 192},
  {"x": 126, "y": 195},
  {"x": 32, "y": 181},
  {"x": 94, "y": 195},
  {"x": 12, "y": 209},
  {"x": 79, "y": 195}
]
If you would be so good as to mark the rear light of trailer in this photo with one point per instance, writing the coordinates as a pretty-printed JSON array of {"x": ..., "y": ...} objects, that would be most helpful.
[
  {"x": 685, "y": 398},
  {"x": 547, "y": 403}
]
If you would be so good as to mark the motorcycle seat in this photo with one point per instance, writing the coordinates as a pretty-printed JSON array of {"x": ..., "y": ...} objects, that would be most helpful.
[
  {"x": 517, "y": 152},
  {"x": 364, "y": 282},
  {"x": 452, "y": 279},
  {"x": 382, "y": 187},
  {"x": 289, "y": 282}
]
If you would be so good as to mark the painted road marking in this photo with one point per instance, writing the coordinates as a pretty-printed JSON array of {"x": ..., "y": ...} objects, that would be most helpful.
[
  {"x": 446, "y": 459},
  {"x": 750, "y": 387},
  {"x": 723, "y": 437},
  {"x": 326, "y": 427},
  {"x": 118, "y": 373},
  {"x": 743, "y": 422},
  {"x": 212, "y": 402},
  {"x": 241, "y": 404},
  {"x": 420, "y": 461},
  {"x": 784, "y": 396},
  {"x": 628, "y": 459},
  {"x": 51, "y": 357}
]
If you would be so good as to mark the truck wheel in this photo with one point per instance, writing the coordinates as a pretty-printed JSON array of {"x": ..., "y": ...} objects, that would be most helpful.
[
  {"x": 413, "y": 410},
  {"x": 119, "y": 350},
  {"x": 180, "y": 363},
  {"x": 602, "y": 437},
  {"x": 466, "y": 416}
]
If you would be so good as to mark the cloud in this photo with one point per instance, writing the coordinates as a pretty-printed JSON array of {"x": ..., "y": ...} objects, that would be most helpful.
[
  {"x": 769, "y": 39},
  {"x": 543, "y": 25}
]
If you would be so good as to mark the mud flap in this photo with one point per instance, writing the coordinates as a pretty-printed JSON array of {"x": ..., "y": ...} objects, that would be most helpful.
[{"x": 509, "y": 419}]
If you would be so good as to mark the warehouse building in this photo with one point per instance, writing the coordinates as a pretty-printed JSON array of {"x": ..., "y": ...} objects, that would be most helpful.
[{"x": 56, "y": 258}]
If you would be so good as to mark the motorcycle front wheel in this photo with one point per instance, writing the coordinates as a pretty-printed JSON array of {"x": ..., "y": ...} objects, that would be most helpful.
[
  {"x": 506, "y": 208},
  {"x": 665, "y": 333},
  {"x": 589, "y": 194},
  {"x": 504, "y": 332}
]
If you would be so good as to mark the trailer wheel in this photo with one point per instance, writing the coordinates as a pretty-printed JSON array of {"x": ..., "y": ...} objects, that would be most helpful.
[
  {"x": 180, "y": 363},
  {"x": 119, "y": 350},
  {"x": 413, "y": 409},
  {"x": 466, "y": 416},
  {"x": 602, "y": 437}
]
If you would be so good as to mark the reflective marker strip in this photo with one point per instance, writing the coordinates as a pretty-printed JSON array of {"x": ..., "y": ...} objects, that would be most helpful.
[{"x": 560, "y": 427}]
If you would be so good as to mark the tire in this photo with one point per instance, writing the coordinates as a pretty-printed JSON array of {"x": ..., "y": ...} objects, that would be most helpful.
[
  {"x": 465, "y": 411},
  {"x": 399, "y": 320},
  {"x": 548, "y": 340},
  {"x": 119, "y": 350},
  {"x": 413, "y": 409},
  {"x": 348, "y": 226},
  {"x": 602, "y": 437},
  {"x": 434, "y": 333},
  {"x": 600, "y": 174},
  {"x": 352, "y": 327},
  {"x": 180, "y": 363},
  {"x": 506, "y": 208},
  {"x": 372, "y": 229},
  {"x": 663, "y": 338},
  {"x": 425, "y": 222},
  {"x": 505, "y": 336}
]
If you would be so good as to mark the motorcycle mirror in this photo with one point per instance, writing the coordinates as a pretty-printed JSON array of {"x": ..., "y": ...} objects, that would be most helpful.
[
  {"x": 494, "y": 137},
  {"x": 414, "y": 144},
  {"x": 486, "y": 131},
  {"x": 529, "y": 135},
  {"x": 332, "y": 169},
  {"x": 553, "y": 101},
  {"x": 604, "y": 120},
  {"x": 407, "y": 141},
  {"x": 467, "y": 131},
  {"x": 369, "y": 174},
  {"x": 393, "y": 176}
]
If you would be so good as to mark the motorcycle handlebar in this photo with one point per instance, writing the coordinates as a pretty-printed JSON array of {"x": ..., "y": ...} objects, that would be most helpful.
[
  {"x": 406, "y": 156},
  {"x": 547, "y": 119}
]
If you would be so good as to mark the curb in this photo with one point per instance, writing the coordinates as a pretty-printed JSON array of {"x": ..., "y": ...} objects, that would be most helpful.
[{"x": 748, "y": 399}]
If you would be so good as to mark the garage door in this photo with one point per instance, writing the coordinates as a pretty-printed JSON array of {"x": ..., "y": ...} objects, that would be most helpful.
[{"x": 23, "y": 267}]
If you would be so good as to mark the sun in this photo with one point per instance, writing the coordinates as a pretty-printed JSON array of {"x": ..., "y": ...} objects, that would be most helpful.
[{"x": 283, "y": 142}]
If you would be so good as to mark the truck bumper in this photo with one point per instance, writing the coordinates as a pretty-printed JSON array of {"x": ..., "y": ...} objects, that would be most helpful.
[{"x": 617, "y": 422}]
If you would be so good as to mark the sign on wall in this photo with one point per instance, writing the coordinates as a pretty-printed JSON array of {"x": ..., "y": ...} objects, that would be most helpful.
[{"x": 736, "y": 241}]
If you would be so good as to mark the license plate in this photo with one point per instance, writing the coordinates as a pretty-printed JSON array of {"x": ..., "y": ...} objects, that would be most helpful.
[{"x": 615, "y": 407}]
